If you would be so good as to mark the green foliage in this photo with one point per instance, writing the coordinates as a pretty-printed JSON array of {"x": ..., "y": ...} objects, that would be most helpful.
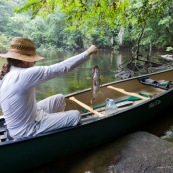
[
  {"x": 79, "y": 12},
  {"x": 38, "y": 7},
  {"x": 169, "y": 49},
  {"x": 100, "y": 13},
  {"x": 3, "y": 42},
  {"x": 145, "y": 22},
  {"x": 5, "y": 12}
]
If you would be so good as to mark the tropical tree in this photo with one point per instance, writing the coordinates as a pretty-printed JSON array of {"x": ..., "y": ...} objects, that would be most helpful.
[
  {"x": 99, "y": 12},
  {"x": 107, "y": 23},
  {"x": 107, "y": 15}
]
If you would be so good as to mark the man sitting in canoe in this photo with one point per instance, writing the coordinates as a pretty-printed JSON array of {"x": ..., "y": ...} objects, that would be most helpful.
[{"x": 23, "y": 115}]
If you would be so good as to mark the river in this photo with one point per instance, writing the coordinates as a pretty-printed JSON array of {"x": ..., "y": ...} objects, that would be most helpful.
[{"x": 79, "y": 79}]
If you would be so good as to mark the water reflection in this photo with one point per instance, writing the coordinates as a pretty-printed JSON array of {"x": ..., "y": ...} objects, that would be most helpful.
[
  {"x": 119, "y": 60},
  {"x": 79, "y": 78}
]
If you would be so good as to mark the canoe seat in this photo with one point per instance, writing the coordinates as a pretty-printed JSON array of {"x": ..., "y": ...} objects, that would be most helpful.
[{"x": 3, "y": 134}]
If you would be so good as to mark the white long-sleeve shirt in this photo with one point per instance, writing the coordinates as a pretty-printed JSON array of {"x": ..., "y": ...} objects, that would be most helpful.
[{"x": 17, "y": 90}]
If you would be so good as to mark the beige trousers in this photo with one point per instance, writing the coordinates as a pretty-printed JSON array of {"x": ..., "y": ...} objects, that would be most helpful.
[{"x": 51, "y": 116}]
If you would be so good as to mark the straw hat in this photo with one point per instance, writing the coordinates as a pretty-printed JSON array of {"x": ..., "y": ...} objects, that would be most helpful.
[{"x": 22, "y": 48}]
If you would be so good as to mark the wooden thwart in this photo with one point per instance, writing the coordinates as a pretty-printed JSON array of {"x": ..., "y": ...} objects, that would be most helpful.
[
  {"x": 86, "y": 106},
  {"x": 127, "y": 93}
]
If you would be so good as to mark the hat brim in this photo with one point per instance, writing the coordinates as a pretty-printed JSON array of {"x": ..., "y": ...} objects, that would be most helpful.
[{"x": 22, "y": 57}]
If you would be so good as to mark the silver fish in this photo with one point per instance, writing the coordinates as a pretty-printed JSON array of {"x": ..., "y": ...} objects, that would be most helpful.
[{"x": 95, "y": 82}]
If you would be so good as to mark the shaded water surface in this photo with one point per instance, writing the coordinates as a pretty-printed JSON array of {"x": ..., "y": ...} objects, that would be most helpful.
[{"x": 78, "y": 79}]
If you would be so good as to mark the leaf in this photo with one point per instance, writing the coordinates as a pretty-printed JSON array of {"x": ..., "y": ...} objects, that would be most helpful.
[{"x": 169, "y": 49}]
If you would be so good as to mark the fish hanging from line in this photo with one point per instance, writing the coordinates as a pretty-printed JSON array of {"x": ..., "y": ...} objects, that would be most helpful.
[{"x": 95, "y": 83}]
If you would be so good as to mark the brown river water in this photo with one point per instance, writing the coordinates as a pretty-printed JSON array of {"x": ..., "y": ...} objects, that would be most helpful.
[{"x": 79, "y": 79}]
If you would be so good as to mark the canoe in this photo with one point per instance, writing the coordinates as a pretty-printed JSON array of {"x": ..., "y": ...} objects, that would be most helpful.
[{"x": 138, "y": 103}]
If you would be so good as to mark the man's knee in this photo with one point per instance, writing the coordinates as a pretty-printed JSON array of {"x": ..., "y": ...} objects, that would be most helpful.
[
  {"x": 59, "y": 102},
  {"x": 75, "y": 115},
  {"x": 78, "y": 116}
]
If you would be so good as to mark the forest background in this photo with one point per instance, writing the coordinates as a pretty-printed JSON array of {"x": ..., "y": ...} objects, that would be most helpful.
[{"x": 74, "y": 24}]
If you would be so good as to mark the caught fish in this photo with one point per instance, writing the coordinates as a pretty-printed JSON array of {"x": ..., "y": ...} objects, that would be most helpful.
[{"x": 95, "y": 82}]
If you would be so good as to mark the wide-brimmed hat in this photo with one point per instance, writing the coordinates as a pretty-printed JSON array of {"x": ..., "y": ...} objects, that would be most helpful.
[{"x": 22, "y": 48}]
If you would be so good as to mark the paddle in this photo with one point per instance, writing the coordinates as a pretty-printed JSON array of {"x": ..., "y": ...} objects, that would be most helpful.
[
  {"x": 127, "y": 93},
  {"x": 86, "y": 106}
]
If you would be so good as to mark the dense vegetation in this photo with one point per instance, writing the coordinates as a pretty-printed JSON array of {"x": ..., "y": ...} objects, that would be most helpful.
[{"x": 74, "y": 24}]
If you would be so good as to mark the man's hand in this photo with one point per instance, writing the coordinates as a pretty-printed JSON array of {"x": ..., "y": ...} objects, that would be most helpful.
[{"x": 92, "y": 49}]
